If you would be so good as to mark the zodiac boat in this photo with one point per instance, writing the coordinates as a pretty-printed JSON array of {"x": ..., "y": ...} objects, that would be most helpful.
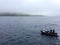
[{"x": 47, "y": 33}]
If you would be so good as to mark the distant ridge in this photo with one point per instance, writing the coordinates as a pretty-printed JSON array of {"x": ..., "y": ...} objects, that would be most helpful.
[{"x": 15, "y": 14}]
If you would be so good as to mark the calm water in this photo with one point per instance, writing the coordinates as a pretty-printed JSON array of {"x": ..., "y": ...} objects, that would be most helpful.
[{"x": 26, "y": 30}]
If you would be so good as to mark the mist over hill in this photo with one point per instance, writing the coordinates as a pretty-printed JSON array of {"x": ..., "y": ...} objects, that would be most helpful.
[{"x": 16, "y": 14}]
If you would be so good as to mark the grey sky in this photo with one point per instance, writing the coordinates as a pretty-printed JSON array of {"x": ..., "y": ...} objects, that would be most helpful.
[{"x": 43, "y": 7}]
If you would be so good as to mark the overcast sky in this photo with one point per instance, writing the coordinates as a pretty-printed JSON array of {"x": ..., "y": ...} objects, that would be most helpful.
[{"x": 42, "y": 7}]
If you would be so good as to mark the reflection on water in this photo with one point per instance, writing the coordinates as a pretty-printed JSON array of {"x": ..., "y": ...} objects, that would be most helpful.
[
  {"x": 47, "y": 40},
  {"x": 26, "y": 31}
]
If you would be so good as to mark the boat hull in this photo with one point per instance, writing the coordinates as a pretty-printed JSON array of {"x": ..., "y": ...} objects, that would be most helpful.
[{"x": 49, "y": 34}]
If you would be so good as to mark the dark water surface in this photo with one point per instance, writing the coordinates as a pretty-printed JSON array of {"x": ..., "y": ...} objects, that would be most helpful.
[{"x": 26, "y": 30}]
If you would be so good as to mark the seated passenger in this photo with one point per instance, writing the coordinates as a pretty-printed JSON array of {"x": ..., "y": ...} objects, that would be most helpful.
[
  {"x": 53, "y": 31},
  {"x": 50, "y": 31}
]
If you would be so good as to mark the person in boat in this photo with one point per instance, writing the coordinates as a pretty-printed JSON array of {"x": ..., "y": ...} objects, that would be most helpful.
[{"x": 53, "y": 31}]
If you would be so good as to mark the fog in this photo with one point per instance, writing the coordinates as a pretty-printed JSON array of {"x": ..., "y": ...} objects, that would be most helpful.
[{"x": 37, "y": 7}]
